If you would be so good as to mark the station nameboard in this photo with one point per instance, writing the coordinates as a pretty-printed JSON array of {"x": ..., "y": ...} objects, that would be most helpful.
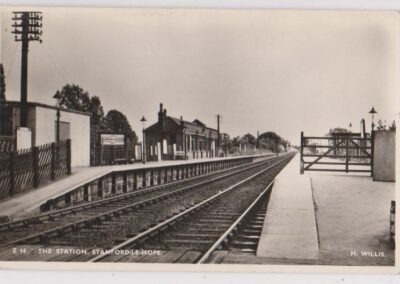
[{"x": 112, "y": 139}]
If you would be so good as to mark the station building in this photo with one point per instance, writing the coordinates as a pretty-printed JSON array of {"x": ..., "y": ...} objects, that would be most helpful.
[
  {"x": 173, "y": 138},
  {"x": 41, "y": 128}
]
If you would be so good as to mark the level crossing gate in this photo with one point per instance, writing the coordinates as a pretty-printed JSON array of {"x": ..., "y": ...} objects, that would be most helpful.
[{"x": 342, "y": 152}]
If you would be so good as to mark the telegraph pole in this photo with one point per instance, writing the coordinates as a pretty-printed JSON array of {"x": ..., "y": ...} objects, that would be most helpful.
[
  {"x": 27, "y": 27},
  {"x": 218, "y": 123}
]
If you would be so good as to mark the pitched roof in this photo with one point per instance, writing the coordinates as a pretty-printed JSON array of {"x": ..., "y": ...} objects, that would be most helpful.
[
  {"x": 189, "y": 124},
  {"x": 198, "y": 122}
]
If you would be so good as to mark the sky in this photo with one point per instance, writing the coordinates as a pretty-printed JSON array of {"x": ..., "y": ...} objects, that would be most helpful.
[{"x": 282, "y": 71}]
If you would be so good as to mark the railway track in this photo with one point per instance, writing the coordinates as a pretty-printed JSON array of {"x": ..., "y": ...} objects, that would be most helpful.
[
  {"x": 13, "y": 231},
  {"x": 220, "y": 222},
  {"x": 118, "y": 213}
]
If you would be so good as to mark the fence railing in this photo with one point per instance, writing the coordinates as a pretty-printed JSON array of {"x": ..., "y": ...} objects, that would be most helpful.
[
  {"x": 111, "y": 155},
  {"x": 25, "y": 169},
  {"x": 336, "y": 154},
  {"x": 7, "y": 143}
]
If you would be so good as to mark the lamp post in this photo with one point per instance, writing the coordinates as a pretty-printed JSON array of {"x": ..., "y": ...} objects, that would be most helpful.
[
  {"x": 143, "y": 120},
  {"x": 57, "y": 97},
  {"x": 372, "y": 112}
]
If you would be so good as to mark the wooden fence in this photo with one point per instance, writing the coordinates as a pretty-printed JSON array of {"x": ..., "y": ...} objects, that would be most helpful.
[
  {"x": 7, "y": 143},
  {"x": 29, "y": 168},
  {"x": 112, "y": 155},
  {"x": 338, "y": 154}
]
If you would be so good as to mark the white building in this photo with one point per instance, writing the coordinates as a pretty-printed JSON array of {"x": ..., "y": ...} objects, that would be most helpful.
[{"x": 42, "y": 124}]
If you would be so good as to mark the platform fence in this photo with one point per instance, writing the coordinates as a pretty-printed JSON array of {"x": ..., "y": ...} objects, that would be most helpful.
[
  {"x": 339, "y": 153},
  {"x": 29, "y": 168},
  {"x": 7, "y": 143}
]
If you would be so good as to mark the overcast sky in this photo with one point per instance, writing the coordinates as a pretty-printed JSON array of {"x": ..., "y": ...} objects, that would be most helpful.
[{"x": 281, "y": 71}]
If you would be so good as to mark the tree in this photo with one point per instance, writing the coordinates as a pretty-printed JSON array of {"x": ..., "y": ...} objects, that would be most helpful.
[
  {"x": 249, "y": 139},
  {"x": 337, "y": 130},
  {"x": 382, "y": 126},
  {"x": 236, "y": 141},
  {"x": 271, "y": 140},
  {"x": 96, "y": 111},
  {"x": 2, "y": 84},
  {"x": 116, "y": 121},
  {"x": 392, "y": 127},
  {"x": 73, "y": 97}
]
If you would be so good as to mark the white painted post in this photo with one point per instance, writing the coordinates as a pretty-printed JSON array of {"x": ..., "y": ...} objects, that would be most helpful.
[{"x": 159, "y": 151}]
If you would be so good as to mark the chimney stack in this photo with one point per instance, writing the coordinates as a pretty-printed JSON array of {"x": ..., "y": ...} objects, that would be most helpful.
[{"x": 161, "y": 116}]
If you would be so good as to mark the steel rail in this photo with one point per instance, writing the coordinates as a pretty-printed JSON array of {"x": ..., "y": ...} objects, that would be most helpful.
[
  {"x": 108, "y": 200},
  {"x": 102, "y": 216},
  {"x": 225, "y": 235},
  {"x": 164, "y": 224}
]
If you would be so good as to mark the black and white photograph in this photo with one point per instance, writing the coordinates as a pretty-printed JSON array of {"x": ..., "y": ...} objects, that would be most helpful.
[{"x": 225, "y": 138}]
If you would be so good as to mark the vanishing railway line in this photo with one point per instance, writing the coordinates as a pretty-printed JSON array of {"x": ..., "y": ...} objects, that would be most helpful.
[
  {"x": 21, "y": 229},
  {"x": 229, "y": 220},
  {"x": 109, "y": 222}
]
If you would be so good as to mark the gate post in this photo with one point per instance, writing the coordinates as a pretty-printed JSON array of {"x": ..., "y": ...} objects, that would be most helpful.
[
  {"x": 372, "y": 153},
  {"x": 69, "y": 156},
  {"x": 125, "y": 182},
  {"x": 113, "y": 183},
  {"x": 12, "y": 172},
  {"x": 301, "y": 154},
  {"x": 53, "y": 161},
  {"x": 347, "y": 155},
  {"x": 35, "y": 157}
]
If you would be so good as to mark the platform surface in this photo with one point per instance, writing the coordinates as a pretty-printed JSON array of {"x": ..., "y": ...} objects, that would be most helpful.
[
  {"x": 290, "y": 229},
  {"x": 28, "y": 202},
  {"x": 353, "y": 215},
  {"x": 326, "y": 218}
]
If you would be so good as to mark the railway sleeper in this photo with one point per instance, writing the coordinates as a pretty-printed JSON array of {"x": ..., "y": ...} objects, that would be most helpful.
[
  {"x": 195, "y": 236},
  {"x": 259, "y": 219},
  {"x": 208, "y": 226},
  {"x": 37, "y": 226},
  {"x": 110, "y": 222},
  {"x": 204, "y": 230},
  {"x": 256, "y": 222},
  {"x": 97, "y": 227},
  {"x": 248, "y": 238},
  {"x": 216, "y": 222},
  {"x": 245, "y": 244},
  {"x": 222, "y": 218},
  {"x": 225, "y": 214},
  {"x": 186, "y": 241},
  {"x": 244, "y": 250},
  {"x": 250, "y": 231},
  {"x": 252, "y": 227}
]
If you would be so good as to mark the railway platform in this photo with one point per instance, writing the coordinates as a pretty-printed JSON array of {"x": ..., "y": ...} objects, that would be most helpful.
[
  {"x": 28, "y": 203},
  {"x": 323, "y": 218},
  {"x": 290, "y": 228}
]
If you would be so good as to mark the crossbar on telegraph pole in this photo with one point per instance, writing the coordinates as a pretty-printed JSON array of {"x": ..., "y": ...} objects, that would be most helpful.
[{"x": 27, "y": 27}]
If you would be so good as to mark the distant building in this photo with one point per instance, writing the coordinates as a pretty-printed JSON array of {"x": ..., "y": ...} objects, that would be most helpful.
[
  {"x": 42, "y": 125},
  {"x": 172, "y": 138}
]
